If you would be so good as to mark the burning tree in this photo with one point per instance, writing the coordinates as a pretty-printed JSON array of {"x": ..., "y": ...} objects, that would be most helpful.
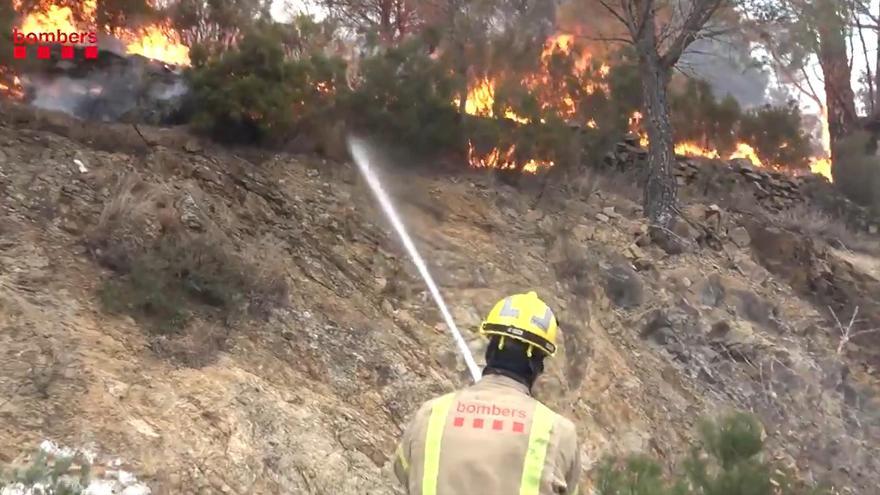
[{"x": 659, "y": 46}]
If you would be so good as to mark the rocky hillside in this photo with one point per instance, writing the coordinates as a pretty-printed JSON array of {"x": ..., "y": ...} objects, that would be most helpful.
[{"x": 313, "y": 339}]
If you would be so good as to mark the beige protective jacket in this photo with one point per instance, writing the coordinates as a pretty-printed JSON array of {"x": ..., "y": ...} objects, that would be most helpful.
[{"x": 491, "y": 438}]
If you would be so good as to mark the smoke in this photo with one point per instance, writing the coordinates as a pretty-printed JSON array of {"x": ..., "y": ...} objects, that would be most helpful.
[
  {"x": 112, "y": 88},
  {"x": 727, "y": 66}
]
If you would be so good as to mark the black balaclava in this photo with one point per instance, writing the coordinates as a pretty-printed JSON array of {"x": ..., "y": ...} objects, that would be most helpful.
[{"x": 512, "y": 361}]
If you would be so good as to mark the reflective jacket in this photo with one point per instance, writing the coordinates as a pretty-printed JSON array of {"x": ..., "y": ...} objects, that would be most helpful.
[{"x": 491, "y": 438}]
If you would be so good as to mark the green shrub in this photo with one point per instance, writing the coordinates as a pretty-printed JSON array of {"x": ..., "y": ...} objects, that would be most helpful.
[
  {"x": 407, "y": 97},
  {"x": 49, "y": 478},
  {"x": 727, "y": 461},
  {"x": 856, "y": 173},
  {"x": 254, "y": 94}
]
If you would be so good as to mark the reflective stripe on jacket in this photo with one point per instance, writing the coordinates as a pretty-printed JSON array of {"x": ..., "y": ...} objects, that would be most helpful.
[{"x": 491, "y": 438}]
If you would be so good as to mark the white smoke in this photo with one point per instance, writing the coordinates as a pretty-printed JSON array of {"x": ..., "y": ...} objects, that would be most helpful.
[
  {"x": 107, "y": 89},
  {"x": 727, "y": 66}
]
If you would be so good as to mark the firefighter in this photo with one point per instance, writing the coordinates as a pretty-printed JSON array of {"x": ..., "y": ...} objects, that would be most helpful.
[{"x": 493, "y": 437}]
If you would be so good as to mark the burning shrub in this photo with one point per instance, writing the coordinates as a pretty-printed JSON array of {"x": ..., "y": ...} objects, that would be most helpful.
[
  {"x": 776, "y": 134},
  {"x": 699, "y": 117},
  {"x": 253, "y": 94}
]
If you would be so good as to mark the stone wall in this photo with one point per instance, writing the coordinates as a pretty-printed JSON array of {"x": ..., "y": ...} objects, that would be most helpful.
[{"x": 773, "y": 190}]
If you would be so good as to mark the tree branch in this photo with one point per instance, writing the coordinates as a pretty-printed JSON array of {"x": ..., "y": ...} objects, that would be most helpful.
[
  {"x": 700, "y": 14},
  {"x": 616, "y": 14}
]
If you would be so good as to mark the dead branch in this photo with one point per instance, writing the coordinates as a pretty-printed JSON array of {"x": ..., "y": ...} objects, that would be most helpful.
[{"x": 846, "y": 332}]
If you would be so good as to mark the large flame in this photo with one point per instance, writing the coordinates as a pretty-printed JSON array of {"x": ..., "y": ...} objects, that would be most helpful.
[
  {"x": 822, "y": 166},
  {"x": 480, "y": 100},
  {"x": 156, "y": 41}
]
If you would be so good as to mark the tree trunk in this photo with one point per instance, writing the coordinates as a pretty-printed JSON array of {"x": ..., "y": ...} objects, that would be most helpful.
[
  {"x": 839, "y": 95},
  {"x": 660, "y": 189},
  {"x": 877, "y": 71}
]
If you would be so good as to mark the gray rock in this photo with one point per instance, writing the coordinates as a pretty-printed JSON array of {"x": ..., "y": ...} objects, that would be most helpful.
[
  {"x": 623, "y": 285},
  {"x": 740, "y": 236}
]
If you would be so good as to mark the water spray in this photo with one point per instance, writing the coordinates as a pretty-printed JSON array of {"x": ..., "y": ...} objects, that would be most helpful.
[{"x": 361, "y": 158}]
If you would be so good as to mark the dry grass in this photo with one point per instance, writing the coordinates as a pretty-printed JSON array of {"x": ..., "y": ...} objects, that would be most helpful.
[
  {"x": 812, "y": 222},
  {"x": 624, "y": 184},
  {"x": 125, "y": 225},
  {"x": 186, "y": 288}
]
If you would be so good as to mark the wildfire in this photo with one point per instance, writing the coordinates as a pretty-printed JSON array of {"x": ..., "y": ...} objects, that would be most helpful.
[
  {"x": 822, "y": 166},
  {"x": 54, "y": 18},
  {"x": 504, "y": 160},
  {"x": 743, "y": 150},
  {"x": 481, "y": 97},
  {"x": 10, "y": 87},
  {"x": 156, "y": 41},
  {"x": 481, "y": 100}
]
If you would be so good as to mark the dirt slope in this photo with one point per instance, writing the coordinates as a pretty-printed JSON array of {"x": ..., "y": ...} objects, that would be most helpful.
[{"x": 310, "y": 399}]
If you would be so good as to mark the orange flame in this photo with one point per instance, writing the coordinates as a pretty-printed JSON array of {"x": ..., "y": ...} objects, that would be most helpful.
[
  {"x": 481, "y": 99},
  {"x": 822, "y": 166},
  {"x": 156, "y": 41},
  {"x": 504, "y": 160},
  {"x": 54, "y": 18},
  {"x": 12, "y": 88}
]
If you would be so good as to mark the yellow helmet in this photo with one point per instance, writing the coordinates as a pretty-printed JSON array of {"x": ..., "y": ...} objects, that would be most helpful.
[{"x": 526, "y": 318}]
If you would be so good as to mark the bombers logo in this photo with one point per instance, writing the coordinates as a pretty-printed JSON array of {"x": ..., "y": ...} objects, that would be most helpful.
[
  {"x": 44, "y": 40},
  {"x": 490, "y": 410}
]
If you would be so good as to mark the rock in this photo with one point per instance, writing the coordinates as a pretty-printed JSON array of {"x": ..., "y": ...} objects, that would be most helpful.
[
  {"x": 623, "y": 286},
  {"x": 654, "y": 321},
  {"x": 192, "y": 146},
  {"x": 387, "y": 307},
  {"x": 643, "y": 264},
  {"x": 637, "y": 229},
  {"x": 71, "y": 227},
  {"x": 189, "y": 215},
  {"x": 634, "y": 252},
  {"x": 873, "y": 229},
  {"x": 583, "y": 233},
  {"x": 533, "y": 216},
  {"x": 712, "y": 290},
  {"x": 737, "y": 337},
  {"x": 567, "y": 257},
  {"x": 206, "y": 174},
  {"x": 546, "y": 224},
  {"x": 602, "y": 217},
  {"x": 684, "y": 229},
  {"x": 740, "y": 236},
  {"x": 610, "y": 213},
  {"x": 467, "y": 317}
]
